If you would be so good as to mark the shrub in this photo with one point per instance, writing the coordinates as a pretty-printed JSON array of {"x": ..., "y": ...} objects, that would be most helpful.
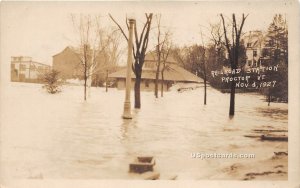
[{"x": 51, "y": 80}]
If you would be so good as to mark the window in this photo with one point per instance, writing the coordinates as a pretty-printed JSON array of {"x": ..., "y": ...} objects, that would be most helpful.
[
  {"x": 248, "y": 45},
  {"x": 265, "y": 52},
  {"x": 22, "y": 67},
  {"x": 254, "y": 63},
  {"x": 254, "y": 53},
  {"x": 146, "y": 83},
  {"x": 12, "y": 66},
  {"x": 249, "y": 62}
]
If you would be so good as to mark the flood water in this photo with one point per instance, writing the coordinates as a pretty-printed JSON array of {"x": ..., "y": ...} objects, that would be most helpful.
[{"x": 60, "y": 136}]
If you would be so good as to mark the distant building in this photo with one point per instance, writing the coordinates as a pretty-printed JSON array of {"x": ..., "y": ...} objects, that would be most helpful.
[
  {"x": 254, "y": 42},
  {"x": 67, "y": 62},
  {"x": 23, "y": 69},
  {"x": 259, "y": 48},
  {"x": 172, "y": 74}
]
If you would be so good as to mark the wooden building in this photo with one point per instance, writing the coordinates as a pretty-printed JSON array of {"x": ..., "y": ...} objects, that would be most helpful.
[{"x": 172, "y": 74}]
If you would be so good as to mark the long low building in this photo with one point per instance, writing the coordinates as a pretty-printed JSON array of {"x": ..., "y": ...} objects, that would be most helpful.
[
  {"x": 172, "y": 74},
  {"x": 23, "y": 69}
]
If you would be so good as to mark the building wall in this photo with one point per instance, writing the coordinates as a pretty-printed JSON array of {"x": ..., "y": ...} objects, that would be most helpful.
[
  {"x": 25, "y": 70},
  {"x": 253, "y": 60},
  {"x": 68, "y": 64},
  {"x": 146, "y": 85},
  {"x": 70, "y": 67},
  {"x": 254, "y": 43}
]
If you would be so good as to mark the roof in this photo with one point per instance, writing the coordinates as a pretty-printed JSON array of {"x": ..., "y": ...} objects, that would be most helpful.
[
  {"x": 172, "y": 73},
  {"x": 29, "y": 62},
  {"x": 255, "y": 38},
  {"x": 73, "y": 49},
  {"x": 76, "y": 50},
  {"x": 152, "y": 56},
  {"x": 41, "y": 64}
]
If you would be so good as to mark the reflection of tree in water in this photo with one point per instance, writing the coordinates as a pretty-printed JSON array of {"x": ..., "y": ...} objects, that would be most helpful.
[{"x": 276, "y": 113}]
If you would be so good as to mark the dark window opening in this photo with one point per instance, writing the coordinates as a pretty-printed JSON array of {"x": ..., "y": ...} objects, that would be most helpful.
[
  {"x": 146, "y": 83},
  {"x": 249, "y": 62},
  {"x": 254, "y": 53}
]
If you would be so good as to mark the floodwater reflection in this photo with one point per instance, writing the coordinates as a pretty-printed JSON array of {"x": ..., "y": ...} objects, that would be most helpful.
[{"x": 71, "y": 139}]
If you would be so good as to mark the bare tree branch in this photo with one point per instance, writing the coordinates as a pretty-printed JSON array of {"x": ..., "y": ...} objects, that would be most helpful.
[
  {"x": 118, "y": 26},
  {"x": 227, "y": 44},
  {"x": 242, "y": 24}
]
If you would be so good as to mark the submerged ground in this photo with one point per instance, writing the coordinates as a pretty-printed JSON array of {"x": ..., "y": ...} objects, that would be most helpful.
[{"x": 61, "y": 136}]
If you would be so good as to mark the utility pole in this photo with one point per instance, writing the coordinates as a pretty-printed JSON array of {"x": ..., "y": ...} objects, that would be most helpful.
[{"x": 127, "y": 104}]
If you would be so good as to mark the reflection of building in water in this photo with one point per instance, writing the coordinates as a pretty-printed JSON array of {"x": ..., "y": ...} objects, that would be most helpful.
[{"x": 23, "y": 69}]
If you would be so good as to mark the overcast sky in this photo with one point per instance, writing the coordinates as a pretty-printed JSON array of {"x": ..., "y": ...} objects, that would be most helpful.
[{"x": 41, "y": 30}]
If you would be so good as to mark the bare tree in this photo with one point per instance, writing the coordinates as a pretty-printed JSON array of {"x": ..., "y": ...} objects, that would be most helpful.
[
  {"x": 180, "y": 55},
  {"x": 162, "y": 51},
  {"x": 139, "y": 52},
  {"x": 158, "y": 53},
  {"x": 88, "y": 36},
  {"x": 166, "y": 48},
  {"x": 204, "y": 68},
  {"x": 233, "y": 46},
  {"x": 93, "y": 42},
  {"x": 87, "y": 55},
  {"x": 109, "y": 57},
  {"x": 216, "y": 36}
]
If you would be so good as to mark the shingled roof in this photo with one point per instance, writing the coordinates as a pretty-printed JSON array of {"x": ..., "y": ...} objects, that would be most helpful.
[{"x": 172, "y": 73}]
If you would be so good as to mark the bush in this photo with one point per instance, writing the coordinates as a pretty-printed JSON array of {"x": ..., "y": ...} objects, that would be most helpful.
[{"x": 51, "y": 80}]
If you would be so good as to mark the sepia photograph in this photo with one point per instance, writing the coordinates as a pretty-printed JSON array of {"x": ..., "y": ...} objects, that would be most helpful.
[{"x": 109, "y": 91}]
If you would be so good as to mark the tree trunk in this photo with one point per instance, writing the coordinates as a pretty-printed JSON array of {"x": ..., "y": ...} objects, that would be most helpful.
[
  {"x": 232, "y": 91},
  {"x": 162, "y": 83},
  {"x": 233, "y": 52},
  {"x": 96, "y": 81},
  {"x": 269, "y": 97},
  {"x": 106, "y": 80},
  {"x": 85, "y": 81},
  {"x": 157, "y": 70},
  {"x": 232, "y": 97},
  {"x": 204, "y": 86},
  {"x": 89, "y": 85},
  {"x": 137, "y": 92},
  {"x": 156, "y": 80}
]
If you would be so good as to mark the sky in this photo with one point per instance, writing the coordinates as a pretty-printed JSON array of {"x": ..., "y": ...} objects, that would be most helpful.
[{"x": 43, "y": 29}]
